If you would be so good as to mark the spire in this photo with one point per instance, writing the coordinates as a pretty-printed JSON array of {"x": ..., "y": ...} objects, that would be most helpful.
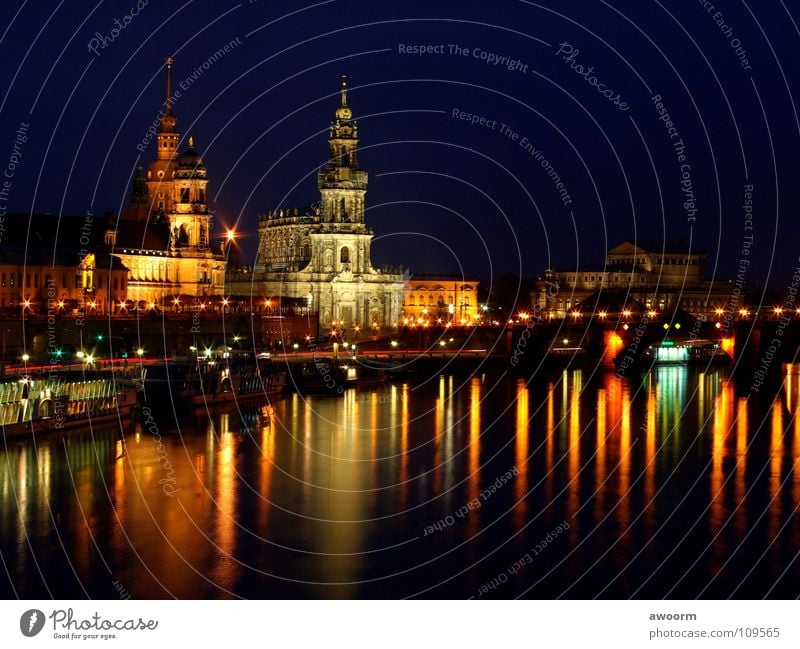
[
  {"x": 191, "y": 142},
  {"x": 168, "y": 103},
  {"x": 139, "y": 187},
  {"x": 344, "y": 113}
]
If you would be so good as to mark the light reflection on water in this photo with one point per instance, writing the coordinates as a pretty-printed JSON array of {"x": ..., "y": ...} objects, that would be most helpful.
[{"x": 667, "y": 481}]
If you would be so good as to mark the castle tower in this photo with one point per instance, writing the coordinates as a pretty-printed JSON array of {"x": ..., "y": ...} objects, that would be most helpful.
[{"x": 161, "y": 171}]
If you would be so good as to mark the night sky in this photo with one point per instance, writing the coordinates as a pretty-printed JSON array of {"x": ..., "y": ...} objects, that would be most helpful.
[{"x": 445, "y": 195}]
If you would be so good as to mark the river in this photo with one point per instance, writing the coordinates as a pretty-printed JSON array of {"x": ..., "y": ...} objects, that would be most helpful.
[{"x": 574, "y": 485}]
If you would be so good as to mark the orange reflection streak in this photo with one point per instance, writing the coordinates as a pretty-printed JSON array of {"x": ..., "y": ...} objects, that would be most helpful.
[
  {"x": 225, "y": 495},
  {"x": 775, "y": 464},
  {"x": 119, "y": 497},
  {"x": 600, "y": 456},
  {"x": 650, "y": 459},
  {"x": 796, "y": 459},
  {"x": 438, "y": 415},
  {"x": 521, "y": 454},
  {"x": 373, "y": 433},
  {"x": 722, "y": 422},
  {"x": 624, "y": 507},
  {"x": 267, "y": 466},
  {"x": 474, "y": 439},
  {"x": 740, "y": 486},
  {"x": 574, "y": 453},
  {"x": 353, "y": 432},
  {"x": 404, "y": 445},
  {"x": 549, "y": 450}
]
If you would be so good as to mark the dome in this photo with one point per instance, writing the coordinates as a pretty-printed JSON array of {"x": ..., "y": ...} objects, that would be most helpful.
[{"x": 190, "y": 158}]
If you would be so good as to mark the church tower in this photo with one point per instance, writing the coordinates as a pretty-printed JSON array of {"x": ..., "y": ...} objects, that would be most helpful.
[
  {"x": 321, "y": 253},
  {"x": 342, "y": 184},
  {"x": 190, "y": 219}
]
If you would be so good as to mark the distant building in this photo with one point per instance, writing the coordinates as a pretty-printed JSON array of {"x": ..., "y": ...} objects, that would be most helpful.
[
  {"x": 322, "y": 253},
  {"x": 452, "y": 298},
  {"x": 164, "y": 236},
  {"x": 58, "y": 265},
  {"x": 660, "y": 275}
]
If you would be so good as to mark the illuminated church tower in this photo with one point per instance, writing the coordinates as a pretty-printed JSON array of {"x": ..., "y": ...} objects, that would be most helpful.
[{"x": 322, "y": 252}]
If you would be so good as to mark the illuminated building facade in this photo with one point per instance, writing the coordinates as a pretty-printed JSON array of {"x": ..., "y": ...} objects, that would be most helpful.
[
  {"x": 164, "y": 237},
  {"x": 322, "y": 253},
  {"x": 452, "y": 298},
  {"x": 662, "y": 276},
  {"x": 51, "y": 264}
]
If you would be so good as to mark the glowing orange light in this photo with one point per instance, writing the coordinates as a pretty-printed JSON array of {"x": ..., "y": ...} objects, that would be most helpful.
[
  {"x": 627, "y": 313},
  {"x": 778, "y": 310},
  {"x": 231, "y": 234},
  {"x": 152, "y": 305},
  {"x": 744, "y": 312},
  {"x": 652, "y": 314},
  {"x": 602, "y": 314},
  {"x": 576, "y": 314},
  {"x": 718, "y": 311}
]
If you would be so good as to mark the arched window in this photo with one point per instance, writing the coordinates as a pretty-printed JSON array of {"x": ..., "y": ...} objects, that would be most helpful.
[{"x": 344, "y": 255}]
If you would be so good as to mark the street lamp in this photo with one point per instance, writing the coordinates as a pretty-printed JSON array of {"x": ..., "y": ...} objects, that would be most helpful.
[
  {"x": 25, "y": 358},
  {"x": 140, "y": 352}
]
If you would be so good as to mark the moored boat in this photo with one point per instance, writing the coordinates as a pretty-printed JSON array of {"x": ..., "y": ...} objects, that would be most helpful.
[{"x": 42, "y": 404}]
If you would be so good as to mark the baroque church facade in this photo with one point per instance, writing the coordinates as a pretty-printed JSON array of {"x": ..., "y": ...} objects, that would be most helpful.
[
  {"x": 322, "y": 253},
  {"x": 164, "y": 236}
]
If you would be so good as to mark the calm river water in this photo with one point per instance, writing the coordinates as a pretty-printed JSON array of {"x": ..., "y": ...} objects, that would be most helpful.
[{"x": 576, "y": 485}]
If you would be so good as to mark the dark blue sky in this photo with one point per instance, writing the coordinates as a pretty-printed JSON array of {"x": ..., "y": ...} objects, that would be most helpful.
[{"x": 444, "y": 195}]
